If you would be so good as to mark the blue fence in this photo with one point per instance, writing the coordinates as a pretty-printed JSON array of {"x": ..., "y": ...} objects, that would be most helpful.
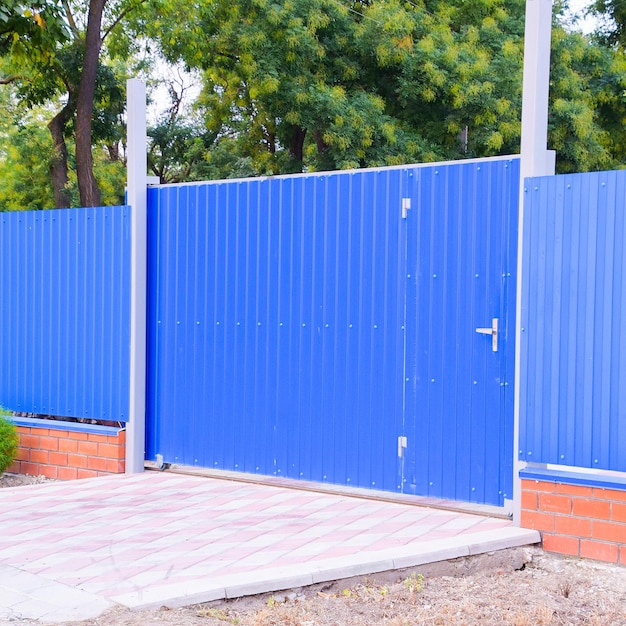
[
  {"x": 64, "y": 312},
  {"x": 573, "y": 387},
  {"x": 323, "y": 327}
]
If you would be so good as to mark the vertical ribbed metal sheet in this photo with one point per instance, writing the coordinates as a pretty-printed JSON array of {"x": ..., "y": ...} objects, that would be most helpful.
[
  {"x": 300, "y": 325},
  {"x": 573, "y": 385},
  {"x": 276, "y": 326},
  {"x": 461, "y": 274},
  {"x": 64, "y": 312}
]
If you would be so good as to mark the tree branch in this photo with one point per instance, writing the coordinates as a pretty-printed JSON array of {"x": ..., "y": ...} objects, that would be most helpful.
[
  {"x": 120, "y": 17},
  {"x": 70, "y": 19},
  {"x": 11, "y": 79}
]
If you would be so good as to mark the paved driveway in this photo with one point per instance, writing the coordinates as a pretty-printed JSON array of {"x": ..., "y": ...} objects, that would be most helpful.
[{"x": 69, "y": 550}]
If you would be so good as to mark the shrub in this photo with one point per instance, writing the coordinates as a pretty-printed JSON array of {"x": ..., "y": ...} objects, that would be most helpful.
[{"x": 8, "y": 441}]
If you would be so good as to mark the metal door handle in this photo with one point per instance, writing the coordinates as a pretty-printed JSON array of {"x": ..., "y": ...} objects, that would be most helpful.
[{"x": 493, "y": 331}]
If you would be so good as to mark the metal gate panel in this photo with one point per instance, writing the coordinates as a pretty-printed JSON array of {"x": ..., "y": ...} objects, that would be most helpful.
[
  {"x": 276, "y": 340},
  {"x": 460, "y": 276}
]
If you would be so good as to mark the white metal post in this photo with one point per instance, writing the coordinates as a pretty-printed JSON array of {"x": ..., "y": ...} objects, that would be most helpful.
[
  {"x": 536, "y": 160},
  {"x": 137, "y": 190}
]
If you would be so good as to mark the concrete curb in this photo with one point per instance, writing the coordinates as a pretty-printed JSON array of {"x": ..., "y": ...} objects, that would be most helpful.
[{"x": 278, "y": 579}]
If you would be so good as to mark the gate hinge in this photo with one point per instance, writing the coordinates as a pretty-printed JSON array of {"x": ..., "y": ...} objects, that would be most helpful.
[
  {"x": 406, "y": 205},
  {"x": 402, "y": 444}
]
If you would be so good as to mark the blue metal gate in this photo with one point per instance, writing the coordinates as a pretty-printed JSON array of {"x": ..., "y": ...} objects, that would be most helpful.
[
  {"x": 460, "y": 294},
  {"x": 297, "y": 328}
]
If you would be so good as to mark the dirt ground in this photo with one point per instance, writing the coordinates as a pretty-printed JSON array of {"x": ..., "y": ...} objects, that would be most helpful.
[{"x": 524, "y": 587}]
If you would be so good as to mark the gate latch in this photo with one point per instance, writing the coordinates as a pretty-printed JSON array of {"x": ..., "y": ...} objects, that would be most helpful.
[
  {"x": 402, "y": 443},
  {"x": 493, "y": 331}
]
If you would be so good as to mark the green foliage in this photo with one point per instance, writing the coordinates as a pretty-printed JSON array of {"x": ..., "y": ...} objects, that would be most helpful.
[
  {"x": 24, "y": 170},
  {"x": 317, "y": 84},
  {"x": 42, "y": 49},
  {"x": 8, "y": 441},
  {"x": 612, "y": 17},
  {"x": 304, "y": 85},
  {"x": 26, "y": 153}
]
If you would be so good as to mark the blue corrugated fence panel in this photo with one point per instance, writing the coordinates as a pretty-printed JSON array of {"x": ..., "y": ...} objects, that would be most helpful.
[
  {"x": 573, "y": 385},
  {"x": 276, "y": 326},
  {"x": 64, "y": 312}
]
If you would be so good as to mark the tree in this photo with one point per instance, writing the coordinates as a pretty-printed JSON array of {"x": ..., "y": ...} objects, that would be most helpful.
[
  {"x": 52, "y": 54},
  {"x": 317, "y": 84},
  {"x": 612, "y": 17},
  {"x": 26, "y": 150}
]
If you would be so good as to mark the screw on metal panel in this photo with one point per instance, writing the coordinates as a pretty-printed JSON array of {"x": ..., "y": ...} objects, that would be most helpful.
[
  {"x": 473, "y": 488},
  {"x": 408, "y": 379},
  {"x": 431, "y": 484},
  {"x": 217, "y": 323},
  {"x": 408, "y": 275},
  {"x": 432, "y": 380},
  {"x": 375, "y": 325},
  {"x": 349, "y": 325},
  {"x": 258, "y": 323},
  {"x": 326, "y": 325},
  {"x": 303, "y": 325},
  {"x": 475, "y": 382},
  {"x": 434, "y": 275}
]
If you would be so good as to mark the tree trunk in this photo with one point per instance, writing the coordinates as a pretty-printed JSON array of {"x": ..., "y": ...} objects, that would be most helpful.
[
  {"x": 319, "y": 142},
  {"x": 58, "y": 168},
  {"x": 296, "y": 145},
  {"x": 87, "y": 186}
]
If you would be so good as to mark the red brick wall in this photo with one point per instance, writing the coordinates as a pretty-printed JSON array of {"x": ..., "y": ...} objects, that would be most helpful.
[
  {"x": 65, "y": 454},
  {"x": 577, "y": 520}
]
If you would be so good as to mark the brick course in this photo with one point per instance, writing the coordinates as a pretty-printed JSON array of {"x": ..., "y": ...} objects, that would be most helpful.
[
  {"x": 68, "y": 455},
  {"x": 577, "y": 520}
]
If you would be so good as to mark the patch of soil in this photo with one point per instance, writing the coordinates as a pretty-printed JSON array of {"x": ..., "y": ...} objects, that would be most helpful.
[
  {"x": 547, "y": 590},
  {"x": 19, "y": 480}
]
